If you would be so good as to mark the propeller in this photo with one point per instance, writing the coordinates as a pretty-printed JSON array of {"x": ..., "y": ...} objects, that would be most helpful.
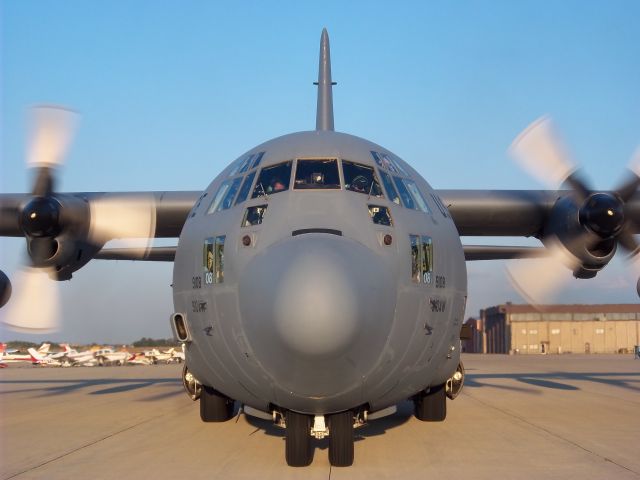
[
  {"x": 57, "y": 225},
  {"x": 602, "y": 219}
]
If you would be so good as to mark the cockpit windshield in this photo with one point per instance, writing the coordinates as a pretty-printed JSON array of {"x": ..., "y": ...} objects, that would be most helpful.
[
  {"x": 361, "y": 178},
  {"x": 317, "y": 174},
  {"x": 273, "y": 180}
]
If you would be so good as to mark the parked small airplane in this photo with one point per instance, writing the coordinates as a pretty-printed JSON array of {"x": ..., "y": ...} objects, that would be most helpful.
[
  {"x": 107, "y": 356},
  {"x": 71, "y": 357},
  {"x": 11, "y": 356},
  {"x": 45, "y": 360},
  {"x": 139, "y": 359}
]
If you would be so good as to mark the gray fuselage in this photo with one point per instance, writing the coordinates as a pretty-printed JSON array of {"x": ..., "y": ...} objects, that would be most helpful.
[{"x": 307, "y": 307}]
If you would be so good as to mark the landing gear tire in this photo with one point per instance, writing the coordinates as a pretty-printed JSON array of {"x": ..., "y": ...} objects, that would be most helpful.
[
  {"x": 214, "y": 406},
  {"x": 341, "y": 439},
  {"x": 298, "y": 439},
  {"x": 431, "y": 406}
]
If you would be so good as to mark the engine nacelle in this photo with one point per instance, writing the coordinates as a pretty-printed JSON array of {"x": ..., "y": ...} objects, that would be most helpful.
[
  {"x": 57, "y": 235},
  {"x": 566, "y": 225}
]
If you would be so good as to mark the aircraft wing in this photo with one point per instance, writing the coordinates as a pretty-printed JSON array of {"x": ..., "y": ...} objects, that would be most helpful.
[
  {"x": 585, "y": 226},
  {"x": 170, "y": 208}
]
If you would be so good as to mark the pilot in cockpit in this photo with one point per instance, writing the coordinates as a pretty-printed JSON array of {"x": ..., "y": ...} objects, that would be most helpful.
[{"x": 276, "y": 185}]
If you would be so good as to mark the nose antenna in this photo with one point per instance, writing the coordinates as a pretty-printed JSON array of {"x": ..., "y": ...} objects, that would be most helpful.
[{"x": 324, "y": 113}]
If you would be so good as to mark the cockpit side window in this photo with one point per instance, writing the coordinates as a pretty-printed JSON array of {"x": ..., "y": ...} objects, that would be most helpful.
[
  {"x": 407, "y": 199},
  {"x": 317, "y": 174},
  {"x": 273, "y": 179},
  {"x": 227, "y": 201},
  {"x": 246, "y": 186},
  {"x": 253, "y": 215},
  {"x": 416, "y": 258},
  {"x": 220, "y": 194},
  {"x": 388, "y": 185},
  {"x": 380, "y": 215},
  {"x": 213, "y": 260},
  {"x": 417, "y": 195},
  {"x": 421, "y": 258},
  {"x": 361, "y": 178}
]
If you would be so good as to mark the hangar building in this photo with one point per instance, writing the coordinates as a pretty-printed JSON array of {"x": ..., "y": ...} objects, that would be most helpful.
[{"x": 524, "y": 329}]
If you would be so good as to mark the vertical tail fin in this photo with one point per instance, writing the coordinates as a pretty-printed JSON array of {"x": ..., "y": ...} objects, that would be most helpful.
[
  {"x": 35, "y": 355},
  {"x": 324, "y": 112}
]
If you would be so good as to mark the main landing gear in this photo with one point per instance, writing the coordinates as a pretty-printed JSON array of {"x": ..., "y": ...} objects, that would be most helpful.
[
  {"x": 215, "y": 406},
  {"x": 431, "y": 405},
  {"x": 300, "y": 428}
]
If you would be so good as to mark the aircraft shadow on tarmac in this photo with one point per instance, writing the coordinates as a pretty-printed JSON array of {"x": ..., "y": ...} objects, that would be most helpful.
[
  {"x": 553, "y": 380},
  {"x": 50, "y": 387}
]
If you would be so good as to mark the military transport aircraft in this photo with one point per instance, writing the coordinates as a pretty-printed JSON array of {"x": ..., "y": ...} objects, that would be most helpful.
[{"x": 319, "y": 280}]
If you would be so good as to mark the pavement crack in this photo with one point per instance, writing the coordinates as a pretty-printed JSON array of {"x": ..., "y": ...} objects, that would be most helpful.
[
  {"x": 553, "y": 434},
  {"x": 70, "y": 452}
]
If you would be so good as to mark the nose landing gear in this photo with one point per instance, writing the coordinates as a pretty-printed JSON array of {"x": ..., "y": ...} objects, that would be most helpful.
[
  {"x": 299, "y": 430},
  {"x": 341, "y": 439},
  {"x": 298, "y": 450}
]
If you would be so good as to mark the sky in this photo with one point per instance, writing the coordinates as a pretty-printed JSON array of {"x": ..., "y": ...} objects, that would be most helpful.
[{"x": 171, "y": 92}]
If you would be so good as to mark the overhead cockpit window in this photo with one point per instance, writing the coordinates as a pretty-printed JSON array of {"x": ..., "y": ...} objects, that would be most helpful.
[
  {"x": 246, "y": 187},
  {"x": 380, "y": 215},
  {"x": 317, "y": 174},
  {"x": 388, "y": 186},
  {"x": 253, "y": 215},
  {"x": 407, "y": 199},
  {"x": 273, "y": 180},
  {"x": 384, "y": 162},
  {"x": 417, "y": 195},
  {"x": 257, "y": 159},
  {"x": 246, "y": 163},
  {"x": 421, "y": 258},
  {"x": 361, "y": 178},
  {"x": 387, "y": 162}
]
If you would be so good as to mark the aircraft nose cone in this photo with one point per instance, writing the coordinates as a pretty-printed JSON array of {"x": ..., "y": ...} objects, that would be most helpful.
[{"x": 317, "y": 310}]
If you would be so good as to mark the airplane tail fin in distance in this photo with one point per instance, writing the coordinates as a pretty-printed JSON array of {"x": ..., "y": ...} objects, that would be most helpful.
[{"x": 35, "y": 355}]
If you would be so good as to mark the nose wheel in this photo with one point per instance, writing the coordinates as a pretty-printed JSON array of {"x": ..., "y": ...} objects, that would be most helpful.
[
  {"x": 298, "y": 439},
  {"x": 341, "y": 439}
]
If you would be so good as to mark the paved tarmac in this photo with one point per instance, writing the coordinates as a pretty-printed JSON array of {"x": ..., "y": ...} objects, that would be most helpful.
[{"x": 519, "y": 417}]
